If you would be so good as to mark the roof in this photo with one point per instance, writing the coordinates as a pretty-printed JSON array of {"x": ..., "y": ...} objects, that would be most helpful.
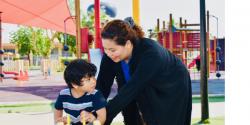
[{"x": 47, "y": 14}]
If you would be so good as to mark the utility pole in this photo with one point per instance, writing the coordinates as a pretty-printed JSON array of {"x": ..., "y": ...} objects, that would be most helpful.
[{"x": 204, "y": 73}]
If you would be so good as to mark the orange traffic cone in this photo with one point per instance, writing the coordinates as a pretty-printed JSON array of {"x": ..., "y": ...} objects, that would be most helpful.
[{"x": 26, "y": 76}]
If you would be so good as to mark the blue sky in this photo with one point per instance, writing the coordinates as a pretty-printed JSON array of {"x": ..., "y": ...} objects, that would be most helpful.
[{"x": 150, "y": 10}]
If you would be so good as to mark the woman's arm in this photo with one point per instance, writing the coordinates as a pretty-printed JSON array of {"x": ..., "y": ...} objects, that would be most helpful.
[
  {"x": 147, "y": 68},
  {"x": 106, "y": 76}
]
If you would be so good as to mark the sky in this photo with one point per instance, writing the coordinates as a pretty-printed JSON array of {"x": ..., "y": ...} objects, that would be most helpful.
[{"x": 151, "y": 10}]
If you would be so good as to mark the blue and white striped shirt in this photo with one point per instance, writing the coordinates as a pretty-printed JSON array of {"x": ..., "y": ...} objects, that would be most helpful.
[{"x": 89, "y": 102}]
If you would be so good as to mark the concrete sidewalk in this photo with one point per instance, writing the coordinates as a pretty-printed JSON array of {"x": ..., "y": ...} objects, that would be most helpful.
[{"x": 216, "y": 110}]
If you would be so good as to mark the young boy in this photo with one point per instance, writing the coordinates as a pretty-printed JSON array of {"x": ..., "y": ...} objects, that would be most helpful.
[{"x": 80, "y": 100}]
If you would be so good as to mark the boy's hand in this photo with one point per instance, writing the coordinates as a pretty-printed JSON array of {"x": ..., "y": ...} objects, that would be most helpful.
[
  {"x": 62, "y": 120},
  {"x": 60, "y": 123},
  {"x": 87, "y": 116}
]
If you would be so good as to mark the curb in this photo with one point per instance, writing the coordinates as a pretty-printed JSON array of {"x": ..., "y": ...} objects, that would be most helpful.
[{"x": 211, "y": 98}]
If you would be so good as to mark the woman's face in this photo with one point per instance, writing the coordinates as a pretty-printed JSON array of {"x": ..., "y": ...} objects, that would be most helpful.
[{"x": 117, "y": 52}]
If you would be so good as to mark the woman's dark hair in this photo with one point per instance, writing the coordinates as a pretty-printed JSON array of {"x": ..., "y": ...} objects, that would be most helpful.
[
  {"x": 122, "y": 30},
  {"x": 76, "y": 70}
]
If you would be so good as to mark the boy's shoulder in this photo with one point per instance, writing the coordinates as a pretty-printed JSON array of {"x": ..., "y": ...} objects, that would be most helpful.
[
  {"x": 93, "y": 92},
  {"x": 65, "y": 91}
]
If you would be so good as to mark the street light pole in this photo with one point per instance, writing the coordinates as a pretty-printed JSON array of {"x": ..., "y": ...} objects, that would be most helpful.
[
  {"x": 216, "y": 24},
  {"x": 218, "y": 49}
]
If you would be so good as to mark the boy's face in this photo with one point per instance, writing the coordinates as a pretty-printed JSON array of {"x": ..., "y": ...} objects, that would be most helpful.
[{"x": 88, "y": 84}]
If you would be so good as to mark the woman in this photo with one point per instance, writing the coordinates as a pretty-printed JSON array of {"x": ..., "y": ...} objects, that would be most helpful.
[{"x": 156, "y": 80}]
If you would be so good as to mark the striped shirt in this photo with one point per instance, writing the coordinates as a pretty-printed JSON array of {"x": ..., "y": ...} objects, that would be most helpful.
[{"x": 89, "y": 102}]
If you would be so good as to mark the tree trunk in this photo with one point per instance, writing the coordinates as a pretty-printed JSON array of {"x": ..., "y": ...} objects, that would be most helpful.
[{"x": 29, "y": 59}]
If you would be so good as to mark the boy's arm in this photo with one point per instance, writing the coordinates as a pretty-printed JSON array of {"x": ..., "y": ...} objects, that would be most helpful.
[
  {"x": 58, "y": 112},
  {"x": 58, "y": 116},
  {"x": 101, "y": 115},
  {"x": 89, "y": 116}
]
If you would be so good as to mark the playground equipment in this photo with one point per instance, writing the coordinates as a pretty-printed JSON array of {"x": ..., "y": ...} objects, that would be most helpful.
[
  {"x": 94, "y": 54},
  {"x": 96, "y": 122},
  {"x": 45, "y": 68},
  {"x": 85, "y": 43},
  {"x": 1, "y": 51},
  {"x": 136, "y": 11},
  {"x": 17, "y": 68},
  {"x": 68, "y": 119},
  {"x": 106, "y": 7},
  {"x": 220, "y": 56},
  {"x": 184, "y": 42},
  {"x": 1, "y": 65}
]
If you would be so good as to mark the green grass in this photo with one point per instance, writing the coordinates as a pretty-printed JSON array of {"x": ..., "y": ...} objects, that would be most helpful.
[
  {"x": 210, "y": 99},
  {"x": 212, "y": 121},
  {"x": 24, "y": 108},
  {"x": 46, "y": 107}
]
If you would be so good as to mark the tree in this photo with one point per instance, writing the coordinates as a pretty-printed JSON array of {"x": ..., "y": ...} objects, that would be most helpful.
[
  {"x": 33, "y": 40},
  {"x": 22, "y": 38},
  {"x": 71, "y": 41},
  {"x": 43, "y": 43},
  {"x": 88, "y": 20}
]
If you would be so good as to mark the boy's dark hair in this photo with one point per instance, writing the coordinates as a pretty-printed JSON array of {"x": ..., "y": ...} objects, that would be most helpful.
[{"x": 76, "y": 70}]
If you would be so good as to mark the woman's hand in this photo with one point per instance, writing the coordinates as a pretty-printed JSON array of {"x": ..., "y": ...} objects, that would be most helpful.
[{"x": 87, "y": 117}]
